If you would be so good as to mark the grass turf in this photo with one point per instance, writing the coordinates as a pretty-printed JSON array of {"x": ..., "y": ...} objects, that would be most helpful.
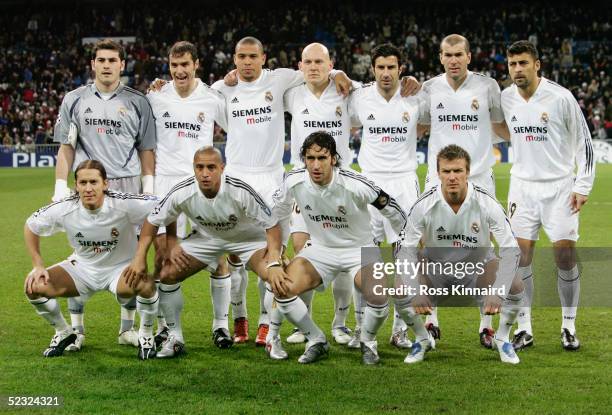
[{"x": 459, "y": 377}]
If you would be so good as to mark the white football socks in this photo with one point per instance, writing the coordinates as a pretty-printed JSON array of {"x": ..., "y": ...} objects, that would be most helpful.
[
  {"x": 49, "y": 309},
  {"x": 568, "y": 285},
  {"x": 524, "y": 316},
  {"x": 171, "y": 302},
  {"x": 220, "y": 287},
  {"x": 147, "y": 309}
]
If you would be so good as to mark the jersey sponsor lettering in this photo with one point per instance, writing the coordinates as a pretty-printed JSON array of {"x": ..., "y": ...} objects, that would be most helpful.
[
  {"x": 251, "y": 111},
  {"x": 322, "y": 124}
]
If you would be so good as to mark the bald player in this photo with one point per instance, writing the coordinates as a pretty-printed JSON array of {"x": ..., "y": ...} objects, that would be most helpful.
[
  {"x": 465, "y": 109},
  {"x": 316, "y": 106}
]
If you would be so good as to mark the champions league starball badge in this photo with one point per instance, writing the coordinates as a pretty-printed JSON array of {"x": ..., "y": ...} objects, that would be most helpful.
[{"x": 233, "y": 218}]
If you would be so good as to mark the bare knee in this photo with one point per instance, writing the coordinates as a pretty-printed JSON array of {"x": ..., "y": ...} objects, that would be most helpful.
[
  {"x": 565, "y": 254},
  {"x": 168, "y": 275},
  {"x": 146, "y": 288}
]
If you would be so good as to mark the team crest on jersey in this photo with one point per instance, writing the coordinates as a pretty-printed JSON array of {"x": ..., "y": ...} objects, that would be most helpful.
[
  {"x": 269, "y": 96},
  {"x": 475, "y": 227},
  {"x": 475, "y": 104},
  {"x": 342, "y": 210},
  {"x": 406, "y": 117},
  {"x": 114, "y": 233},
  {"x": 338, "y": 111},
  {"x": 233, "y": 218},
  {"x": 544, "y": 118},
  {"x": 201, "y": 118},
  {"x": 122, "y": 111}
]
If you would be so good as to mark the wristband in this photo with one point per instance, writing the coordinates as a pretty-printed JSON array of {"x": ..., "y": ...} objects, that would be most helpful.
[
  {"x": 147, "y": 183},
  {"x": 61, "y": 190},
  {"x": 273, "y": 264}
]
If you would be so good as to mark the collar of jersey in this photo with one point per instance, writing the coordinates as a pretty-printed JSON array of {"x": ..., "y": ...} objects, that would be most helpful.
[
  {"x": 318, "y": 188},
  {"x": 221, "y": 189},
  {"x": 467, "y": 79},
  {"x": 252, "y": 83},
  {"x": 96, "y": 92},
  {"x": 466, "y": 202},
  {"x": 102, "y": 209}
]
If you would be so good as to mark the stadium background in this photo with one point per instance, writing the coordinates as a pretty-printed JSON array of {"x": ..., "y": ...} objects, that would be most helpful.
[{"x": 43, "y": 55}]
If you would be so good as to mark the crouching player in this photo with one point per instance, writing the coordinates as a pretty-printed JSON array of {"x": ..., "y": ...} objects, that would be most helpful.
[
  {"x": 334, "y": 205},
  {"x": 454, "y": 221},
  {"x": 229, "y": 217},
  {"x": 100, "y": 225}
]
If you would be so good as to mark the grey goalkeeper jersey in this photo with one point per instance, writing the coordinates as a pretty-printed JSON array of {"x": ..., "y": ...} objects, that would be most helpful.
[{"x": 111, "y": 131}]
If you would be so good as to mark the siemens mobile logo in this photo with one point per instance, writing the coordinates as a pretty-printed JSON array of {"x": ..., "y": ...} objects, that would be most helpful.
[
  {"x": 458, "y": 119},
  {"x": 322, "y": 124},
  {"x": 458, "y": 237},
  {"x": 251, "y": 112},
  {"x": 532, "y": 133},
  {"x": 388, "y": 130},
  {"x": 182, "y": 125},
  {"x": 104, "y": 126}
]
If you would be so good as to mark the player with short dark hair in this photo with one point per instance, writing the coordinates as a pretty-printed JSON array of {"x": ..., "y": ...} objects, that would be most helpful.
[
  {"x": 550, "y": 180},
  {"x": 391, "y": 126},
  {"x": 453, "y": 221}
]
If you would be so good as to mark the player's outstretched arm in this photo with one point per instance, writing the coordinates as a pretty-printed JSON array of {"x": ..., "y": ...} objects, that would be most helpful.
[
  {"x": 501, "y": 130},
  {"x": 147, "y": 165},
  {"x": 409, "y": 86}
]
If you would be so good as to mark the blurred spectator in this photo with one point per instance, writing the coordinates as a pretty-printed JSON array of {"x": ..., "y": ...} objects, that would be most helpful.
[{"x": 42, "y": 56}]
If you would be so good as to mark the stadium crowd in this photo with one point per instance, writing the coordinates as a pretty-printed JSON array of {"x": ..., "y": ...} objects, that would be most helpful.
[{"x": 42, "y": 56}]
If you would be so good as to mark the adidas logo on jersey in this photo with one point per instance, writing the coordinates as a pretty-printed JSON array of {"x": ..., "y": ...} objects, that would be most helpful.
[
  {"x": 79, "y": 235},
  {"x": 235, "y": 100},
  {"x": 305, "y": 111},
  {"x": 166, "y": 114},
  {"x": 513, "y": 118},
  {"x": 371, "y": 117},
  {"x": 88, "y": 111},
  {"x": 307, "y": 207},
  {"x": 440, "y": 106},
  {"x": 441, "y": 229}
]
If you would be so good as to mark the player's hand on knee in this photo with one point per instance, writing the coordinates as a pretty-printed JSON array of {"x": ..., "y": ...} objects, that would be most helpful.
[
  {"x": 134, "y": 272},
  {"x": 492, "y": 304},
  {"x": 422, "y": 304},
  {"x": 278, "y": 280},
  {"x": 179, "y": 258},
  {"x": 231, "y": 79},
  {"x": 157, "y": 85},
  {"x": 409, "y": 86},
  {"x": 36, "y": 276}
]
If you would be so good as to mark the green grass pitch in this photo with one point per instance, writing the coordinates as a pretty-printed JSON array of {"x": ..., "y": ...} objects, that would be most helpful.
[{"x": 459, "y": 377}]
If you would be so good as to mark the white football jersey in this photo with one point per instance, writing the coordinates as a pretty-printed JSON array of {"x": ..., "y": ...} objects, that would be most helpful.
[
  {"x": 336, "y": 215},
  {"x": 236, "y": 214},
  {"x": 432, "y": 221},
  {"x": 463, "y": 117},
  {"x": 256, "y": 119},
  {"x": 389, "y": 138},
  {"x": 184, "y": 125},
  {"x": 329, "y": 113},
  {"x": 549, "y": 136},
  {"x": 102, "y": 238}
]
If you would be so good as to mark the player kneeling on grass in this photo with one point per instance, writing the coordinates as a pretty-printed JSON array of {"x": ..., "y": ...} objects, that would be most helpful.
[
  {"x": 101, "y": 227},
  {"x": 334, "y": 203},
  {"x": 454, "y": 221},
  {"x": 228, "y": 217}
]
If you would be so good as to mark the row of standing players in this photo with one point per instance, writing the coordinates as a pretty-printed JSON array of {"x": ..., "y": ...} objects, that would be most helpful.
[{"x": 458, "y": 106}]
